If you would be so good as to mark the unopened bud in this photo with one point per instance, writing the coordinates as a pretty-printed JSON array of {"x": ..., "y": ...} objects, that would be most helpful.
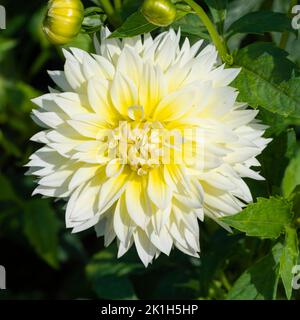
[
  {"x": 63, "y": 20},
  {"x": 159, "y": 12}
]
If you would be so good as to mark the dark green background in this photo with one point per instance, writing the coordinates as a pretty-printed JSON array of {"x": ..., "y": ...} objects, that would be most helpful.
[{"x": 42, "y": 258}]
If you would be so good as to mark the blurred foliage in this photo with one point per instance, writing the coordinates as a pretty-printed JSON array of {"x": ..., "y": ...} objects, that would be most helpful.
[{"x": 42, "y": 258}]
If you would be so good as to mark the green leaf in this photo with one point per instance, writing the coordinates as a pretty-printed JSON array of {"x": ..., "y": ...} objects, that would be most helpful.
[
  {"x": 134, "y": 25},
  {"x": 129, "y": 7},
  {"x": 92, "y": 10},
  {"x": 191, "y": 26},
  {"x": 137, "y": 24},
  {"x": 41, "y": 228},
  {"x": 266, "y": 218},
  {"x": 268, "y": 79},
  {"x": 291, "y": 177},
  {"x": 261, "y": 22},
  {"x": 276, "y": 122},
  {"x": 92, "y": 23},
  {"x": 295, "y": 198},
  {"x": 260, "y": 281},
  {"x": 82, "y": 41},
  {"x": 278, "y": 151},
  {"x": 5, "y": 46},
  {"x": 109, "y": 276},
  {"x": 218, "y": 9},
  {"x": 93, "y": 19},
  {"x": 289, "y": 259},
  {"x": 291, "y": 148},
  {"x": 237, "y": 8}
]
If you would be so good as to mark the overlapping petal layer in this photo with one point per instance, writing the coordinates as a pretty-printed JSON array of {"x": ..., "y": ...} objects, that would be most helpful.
[{"x": 143, "y": 139}]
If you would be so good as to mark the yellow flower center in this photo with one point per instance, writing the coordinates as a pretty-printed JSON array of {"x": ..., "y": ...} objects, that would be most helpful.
[
  {"x": 143, "y": 144},
  {"x": 138, "y": 144}
]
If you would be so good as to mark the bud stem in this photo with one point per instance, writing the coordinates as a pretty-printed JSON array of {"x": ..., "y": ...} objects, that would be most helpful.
[
  {"x": 112, "y": 15},
  {"x": 216, "y": 38},
  {"x": 107, "y": 6},
  {"x": 118, "y": 4}
]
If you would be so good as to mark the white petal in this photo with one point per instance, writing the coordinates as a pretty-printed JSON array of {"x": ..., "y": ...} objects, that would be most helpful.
[
  {"x": 144, "y": 247},
  {"x": 112, "y": 189},
  {"x": 123, "y": 224},
  {"x": 162, "y": 241},
  {"x": 123, "y": 93},
  {"x": 158, "y": 191},
  {"x": 82, "y": 175},
  {"x": 60, "y": 80},
  {"x": 134, "y": 202}
]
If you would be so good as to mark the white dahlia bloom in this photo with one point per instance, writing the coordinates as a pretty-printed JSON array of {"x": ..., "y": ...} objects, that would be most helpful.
[{"x": 143, "y": 139}]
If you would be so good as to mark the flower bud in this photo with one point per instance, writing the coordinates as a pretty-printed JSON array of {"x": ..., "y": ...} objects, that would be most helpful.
[
  {"x": 63, "y": 20},
  {"x": 159, "y": 12}
]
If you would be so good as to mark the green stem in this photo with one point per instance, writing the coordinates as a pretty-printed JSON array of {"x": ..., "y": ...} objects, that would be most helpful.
[
  {"x": 225, "y": 281},
  {"x": 118, "y": 4},
  {"x": 285, "y": 35},
  {"x": 216, "y": 38},
  {"x": 107, "y": 7},
  {"x": 283, "y": 40},
  {"x": 112, "y": 14}
]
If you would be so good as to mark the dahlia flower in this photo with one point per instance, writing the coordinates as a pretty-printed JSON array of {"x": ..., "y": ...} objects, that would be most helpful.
[{"x": 144, "y": 138}]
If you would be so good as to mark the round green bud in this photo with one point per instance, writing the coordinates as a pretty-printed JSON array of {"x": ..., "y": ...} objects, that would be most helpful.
[
  {"x": 159, "y": 12},
  {"x": 63, "y": 20}
]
